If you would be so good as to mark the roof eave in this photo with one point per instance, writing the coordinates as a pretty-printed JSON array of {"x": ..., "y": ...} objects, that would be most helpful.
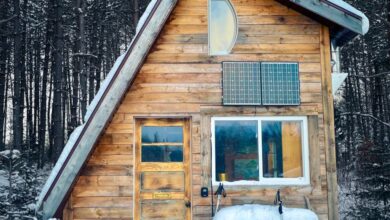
[
  {"x": 344, "y": 18},
  {"x": 351, "y": 24}
]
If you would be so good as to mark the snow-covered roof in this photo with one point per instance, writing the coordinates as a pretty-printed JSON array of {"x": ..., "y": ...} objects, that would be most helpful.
[
  {"x": 365, "y": 22},
  {"x": 83, "y": 138},
  {"x": 346, "y": 21}
]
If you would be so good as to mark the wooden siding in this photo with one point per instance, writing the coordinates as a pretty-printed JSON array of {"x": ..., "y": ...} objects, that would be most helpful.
[{"x": 179, "y": 79}]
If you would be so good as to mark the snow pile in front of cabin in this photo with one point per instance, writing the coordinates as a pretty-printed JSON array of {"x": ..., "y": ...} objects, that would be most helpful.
[
  {"x": 365, "y": 21},
  {"x": 61, "y": 160},
  {"x": 263, "y": 212}
]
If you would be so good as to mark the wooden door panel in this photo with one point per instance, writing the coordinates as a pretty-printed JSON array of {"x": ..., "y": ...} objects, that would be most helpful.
[
  {"x": 162, "y": 196},
  {"x": 156, "y": 210},
  {"x": 162, "y": 166},
  {"x": 164, "y": 181}
]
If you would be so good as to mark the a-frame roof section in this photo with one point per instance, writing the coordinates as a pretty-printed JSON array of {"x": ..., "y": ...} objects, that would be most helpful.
[{"x": 83, "y": 139}]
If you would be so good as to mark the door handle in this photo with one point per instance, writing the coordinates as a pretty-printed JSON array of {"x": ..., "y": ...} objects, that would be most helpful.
[{"x": 187, "y": 204}]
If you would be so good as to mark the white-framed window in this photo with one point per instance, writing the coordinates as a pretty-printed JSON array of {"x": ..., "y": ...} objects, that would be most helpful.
[{"x": 263, "y": 150}]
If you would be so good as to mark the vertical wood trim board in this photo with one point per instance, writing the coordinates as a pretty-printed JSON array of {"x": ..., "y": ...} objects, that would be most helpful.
[{"x": 330, "y": 147}]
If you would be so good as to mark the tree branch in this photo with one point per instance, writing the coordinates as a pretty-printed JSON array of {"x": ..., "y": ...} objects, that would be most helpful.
[
  {"x": 372, "y": 76},
  {"x": 365, "y": 115},
  {"x": 7, "y": 19},
  {"x": 85, "y": 55}
]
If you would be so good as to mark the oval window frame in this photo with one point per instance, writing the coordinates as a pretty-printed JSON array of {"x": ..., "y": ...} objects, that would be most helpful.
[{"x": 228, "y": 49}]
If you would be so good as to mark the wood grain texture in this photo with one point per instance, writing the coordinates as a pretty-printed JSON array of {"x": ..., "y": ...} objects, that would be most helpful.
[
  {"x": 329, "y": 129},
  {"x": 162, "y": 188},
  {"x": 180, "y": 80}
]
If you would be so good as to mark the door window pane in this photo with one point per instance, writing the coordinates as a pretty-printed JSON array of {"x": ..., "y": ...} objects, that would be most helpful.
[
  {"x": 162, "y": 134},
  {"x": 282, "y": 149},
  {"x": 236, "y": 150},
  {"x": 162, "y": 154}
]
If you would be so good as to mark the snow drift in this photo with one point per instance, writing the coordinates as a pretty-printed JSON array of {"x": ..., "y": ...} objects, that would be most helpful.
[{"x": 263, "y": 212}]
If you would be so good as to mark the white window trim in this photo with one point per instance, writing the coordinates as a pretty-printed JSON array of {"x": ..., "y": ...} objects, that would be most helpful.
[{"x": 301, "y": 181}]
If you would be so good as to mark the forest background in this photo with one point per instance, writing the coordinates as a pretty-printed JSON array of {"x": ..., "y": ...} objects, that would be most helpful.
[{"x": 54, "y": 54}]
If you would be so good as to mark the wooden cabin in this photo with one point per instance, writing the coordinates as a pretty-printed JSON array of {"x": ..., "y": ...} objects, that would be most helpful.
[{"x": 237, "y": 92}]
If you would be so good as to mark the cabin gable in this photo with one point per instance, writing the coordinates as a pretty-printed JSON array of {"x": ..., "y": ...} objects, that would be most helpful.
[{"x": 180, "y": 80}]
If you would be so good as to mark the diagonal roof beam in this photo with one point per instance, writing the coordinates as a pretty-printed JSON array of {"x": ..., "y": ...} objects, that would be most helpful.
[{"x": 95, "y": 125}]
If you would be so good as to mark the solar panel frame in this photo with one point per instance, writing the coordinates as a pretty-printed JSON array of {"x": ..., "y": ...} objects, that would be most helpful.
[
  {"x": 247, "y": 83},
  {"x": 235, "y": 76},
  {"x": 281, "y": 86}
]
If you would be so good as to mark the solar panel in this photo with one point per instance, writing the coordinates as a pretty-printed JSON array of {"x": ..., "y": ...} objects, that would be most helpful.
[
  {"x": 241, "y": 83},
  {"x": 280, "y": 84},
  {"x": 260, "y": 83}
]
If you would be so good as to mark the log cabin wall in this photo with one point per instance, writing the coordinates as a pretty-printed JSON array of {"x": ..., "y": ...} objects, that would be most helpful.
[{"x": 180, "y": 79}]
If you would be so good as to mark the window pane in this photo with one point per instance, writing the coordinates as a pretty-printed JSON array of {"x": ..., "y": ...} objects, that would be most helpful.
[
  {"x": 222, "y": 27},
  {"x": 282, "y": 149},
  {"x": 155, "y": 134},
  {"x": 236, "y": 149},
  {"x": 162, "y": 154}
]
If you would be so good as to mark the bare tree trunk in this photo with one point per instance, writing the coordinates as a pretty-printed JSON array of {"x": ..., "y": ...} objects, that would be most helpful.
[
  {"x": 57, "y": 128},
  {"x": 3, "y": 69},
  {"x": 43, "y": 94},
  {"x": 136, "y": 13},
  {"x": 17, "y": 94},
  {"x": 37, "y": 74}
]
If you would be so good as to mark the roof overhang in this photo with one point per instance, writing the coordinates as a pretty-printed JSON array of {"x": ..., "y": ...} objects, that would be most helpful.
[{"x": 345, "y": 21}]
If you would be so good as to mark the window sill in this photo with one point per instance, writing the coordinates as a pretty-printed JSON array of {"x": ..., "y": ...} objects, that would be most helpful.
[{"x": 274, "y": 183}]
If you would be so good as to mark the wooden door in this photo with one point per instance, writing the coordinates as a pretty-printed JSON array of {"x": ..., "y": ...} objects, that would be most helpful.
[{"x": 162, "y": 164}]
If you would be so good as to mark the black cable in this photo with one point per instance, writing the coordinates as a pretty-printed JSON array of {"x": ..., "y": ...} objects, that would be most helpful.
[{"x": 212, "y": 200}]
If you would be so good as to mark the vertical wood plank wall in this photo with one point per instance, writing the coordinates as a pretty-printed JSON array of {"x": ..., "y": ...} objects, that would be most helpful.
[{"x": 180, "y": 79}]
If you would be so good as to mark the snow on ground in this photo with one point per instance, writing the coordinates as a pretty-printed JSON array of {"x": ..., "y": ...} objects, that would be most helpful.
[
  {"x": 3, "y": 178},
  {"x": 263, "y": 212}
]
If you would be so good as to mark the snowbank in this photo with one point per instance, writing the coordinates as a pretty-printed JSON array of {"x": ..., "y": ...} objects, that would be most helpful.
[{"x": 263, "y": 212}]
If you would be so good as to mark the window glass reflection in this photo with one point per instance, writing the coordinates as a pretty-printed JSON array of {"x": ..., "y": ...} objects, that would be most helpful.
[
  {"x": 282, "y": 149},
  {"x": 162, "y": 134},
  {"x": 162, "y": 154},
  {"x": 223, "y": 27},
  {"x": 236, "y": 150}
]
